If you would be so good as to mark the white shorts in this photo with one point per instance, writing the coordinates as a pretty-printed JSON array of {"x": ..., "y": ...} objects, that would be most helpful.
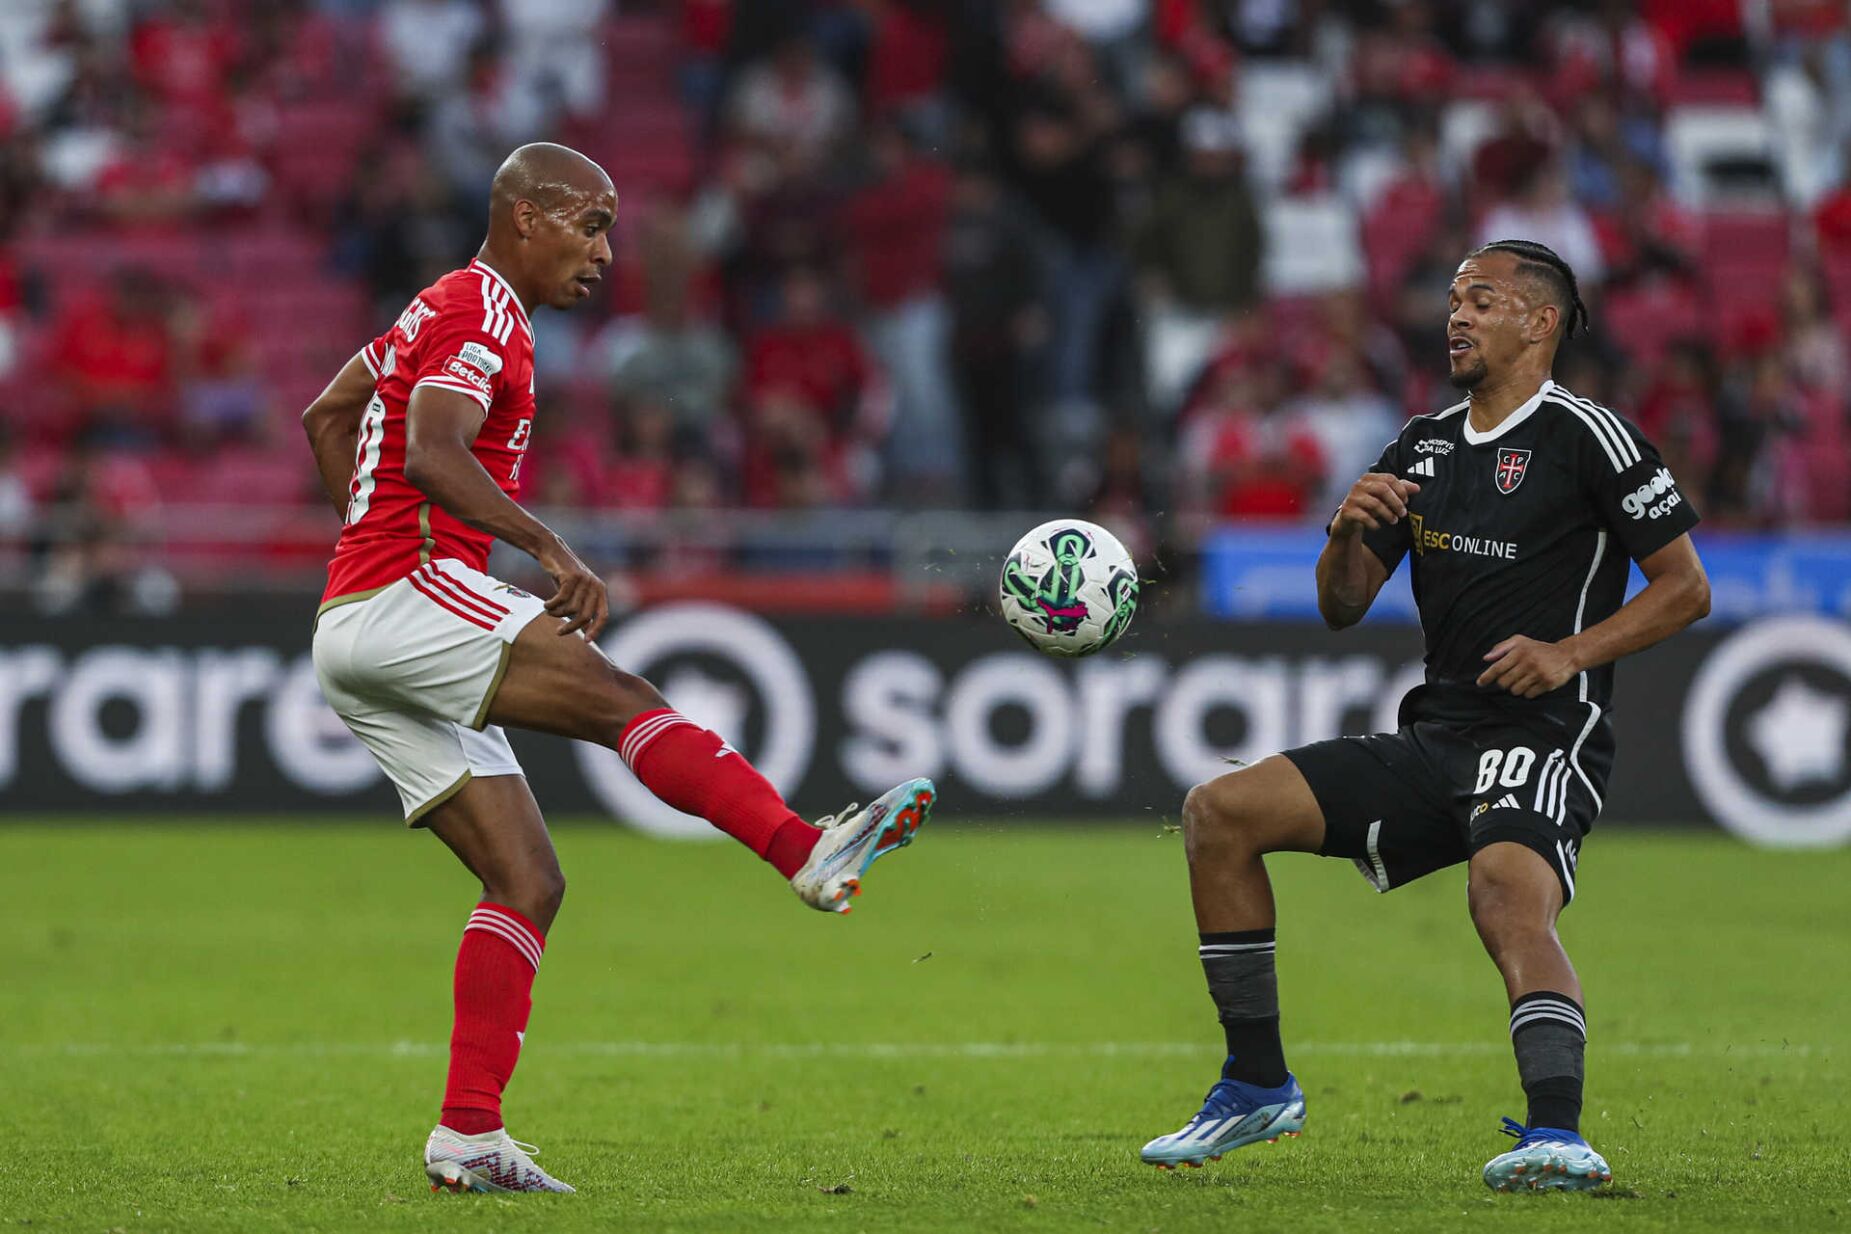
[{"x": 412, "y": 670}]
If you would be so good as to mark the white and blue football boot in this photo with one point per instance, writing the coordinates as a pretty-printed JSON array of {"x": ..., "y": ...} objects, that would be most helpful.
[
  {"x": 1232, "y": 1116},
  {"x": 854, "y": 839},
  {"x": 1546, "y": 1159}
]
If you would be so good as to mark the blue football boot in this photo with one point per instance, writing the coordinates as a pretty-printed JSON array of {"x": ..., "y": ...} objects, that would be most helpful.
[
  {"x": 1232, "y": 1116},
  {"x": 1546, "y": 1159}
]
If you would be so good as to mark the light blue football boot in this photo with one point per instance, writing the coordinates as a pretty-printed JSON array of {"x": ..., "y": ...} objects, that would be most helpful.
[
  {"x": 1233, "y": 1115},
  {"x": 853, "y": 839},
  {"x": 1546, "y": 1159}
]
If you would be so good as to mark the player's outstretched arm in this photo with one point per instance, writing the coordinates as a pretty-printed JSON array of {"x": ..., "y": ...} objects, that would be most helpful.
[
  {"x": 1349, "y": 572},
  {"x": 440, "y": 426},
  {"x": 1676, "y": 593},
  {"x": 332, "y": 423}
]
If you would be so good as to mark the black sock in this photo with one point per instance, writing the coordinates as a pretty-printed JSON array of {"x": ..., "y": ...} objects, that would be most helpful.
[
  {"x": 1548, "y": 1031},
  {"x": 1245, "y": 987}
]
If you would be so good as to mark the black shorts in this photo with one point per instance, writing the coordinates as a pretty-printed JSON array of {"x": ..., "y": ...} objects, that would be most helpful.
[{"x": 1428, "y": 796}]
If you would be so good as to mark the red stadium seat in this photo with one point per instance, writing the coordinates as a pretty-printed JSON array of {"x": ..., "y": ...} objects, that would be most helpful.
[
  {"x": 1646, "y": 320},
  {"x": 1760, "y": 236},
  {"x": 1713, "y": 87}
]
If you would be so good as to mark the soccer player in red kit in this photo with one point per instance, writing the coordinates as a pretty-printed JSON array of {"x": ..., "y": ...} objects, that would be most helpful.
[{"x": 419, "y": 441}]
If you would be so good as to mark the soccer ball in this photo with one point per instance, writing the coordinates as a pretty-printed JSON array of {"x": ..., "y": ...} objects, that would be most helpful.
[{"x": 1069, "y": 588}]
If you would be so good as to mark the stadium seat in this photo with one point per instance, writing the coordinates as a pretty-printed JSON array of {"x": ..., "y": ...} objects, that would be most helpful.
[
  {"x": 1277, "y": 101},
  {"x": 1762, "y": 237},
  {"x": 1720, "y": 156},
  {"x": 1311, "y": 246},
  {"x": 1715, "y": 87},
  {"x": 1464, "y": 126},
  {"x": 1645, "y": 320}
]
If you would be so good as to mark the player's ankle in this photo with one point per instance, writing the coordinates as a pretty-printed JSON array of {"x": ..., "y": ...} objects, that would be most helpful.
[
  {"x": 791, "y": 845},
  {"x": 465, "y": 1121}
]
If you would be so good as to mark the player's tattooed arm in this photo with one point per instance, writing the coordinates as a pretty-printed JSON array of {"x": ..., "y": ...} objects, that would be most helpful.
[
  {"x": 1349, "y": 572},
  {"x": 440, "y": 426},
  {"x": 332, "y": 423},
  {"x": 1676, "y": 593}
]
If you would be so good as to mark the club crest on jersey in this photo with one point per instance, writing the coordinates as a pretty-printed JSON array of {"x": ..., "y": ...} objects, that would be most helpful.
[{"x": 1512, "y": 465}]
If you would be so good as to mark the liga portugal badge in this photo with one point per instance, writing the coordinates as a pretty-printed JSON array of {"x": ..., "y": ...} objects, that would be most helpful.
[{"x": 1511, "y": 466}]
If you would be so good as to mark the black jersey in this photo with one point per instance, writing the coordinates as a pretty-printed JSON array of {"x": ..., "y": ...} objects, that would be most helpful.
[{"x": 1528, "y": 529}]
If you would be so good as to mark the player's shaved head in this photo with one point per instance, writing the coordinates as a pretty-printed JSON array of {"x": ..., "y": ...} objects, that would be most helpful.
[
  {"x": 550, "y": 213},
  {"x": 553, "y": 177}
]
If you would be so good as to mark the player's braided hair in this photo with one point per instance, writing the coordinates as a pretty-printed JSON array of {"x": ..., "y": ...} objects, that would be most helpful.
[{"x": 1545, "y": 263}]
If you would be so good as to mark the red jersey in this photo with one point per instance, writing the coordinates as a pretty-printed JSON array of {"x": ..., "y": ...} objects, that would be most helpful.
[{"x": 466, "y": 333}]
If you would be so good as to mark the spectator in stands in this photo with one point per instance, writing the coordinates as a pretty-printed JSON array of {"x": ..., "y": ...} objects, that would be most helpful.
[
  {"x": 1678, "y": 410},
  {"x": 1820, "y": 369},
  {"x": 642, "y": 475},
  {"x": 895, "y": 227},
  {"x": 12, "y": 316},
  {"x": 1759, "y": 476},
  {"x": 1527, "y": 136},
  {"x": 472, "y": 126},
  {"x": 1600, "y": 145},
  {"x": 398, "y": 229},
  {"x": 16, "y": 504},
  {"x": 146, "y": 181},
  {"x": 1241, "y": 456},
  {"x": 1155, "y": 127},
  {"x": 794, "y": 104},
  {"x": 1816, "y": 351},
  {"x": 813, "y": 401},
  {"x": 429, "y": 42},
  {"x": 909, "y": 53},
  {"x": 185, "y": 54},
  {"x": 1060, "y": 153},
  {"x": 99, "y": 515},
  {"x": 1652, "y": 234},
  {"x": 1348, "y": 418},
  {"x": 997, "y": 318},
  {"x": 668, "y": 358},
  {"x": 1198, "y": 252},
  {"x": 706, "y": 28},
  {"x": 555, "y": 55},
  {"x": 116, "y": 357},
  {"x": 1543, "y": 211}
]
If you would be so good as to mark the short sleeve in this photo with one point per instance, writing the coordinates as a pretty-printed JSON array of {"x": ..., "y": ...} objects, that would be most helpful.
[
  {"x": 1637, "y": 496},
  {"x": 1389, "y": 543},
  {"x": 373, "y": 355},
  {"x": 457, "y": 354}
]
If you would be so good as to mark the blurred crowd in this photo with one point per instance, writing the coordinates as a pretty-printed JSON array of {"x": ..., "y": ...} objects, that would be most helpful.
[{"x": 1139, "y": 257}]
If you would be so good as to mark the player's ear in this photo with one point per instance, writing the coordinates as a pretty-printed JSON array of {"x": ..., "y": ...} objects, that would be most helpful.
[
  {"x": 526, "y": 219},
  {"x": 1543, "y": 323}
]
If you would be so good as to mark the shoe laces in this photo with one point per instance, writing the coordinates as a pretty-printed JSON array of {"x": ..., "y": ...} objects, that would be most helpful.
[
  {"x": 1219, "y": 1103},
  {"x": 837, "y": 819},
  {"x": 1530, "y": 1137}
]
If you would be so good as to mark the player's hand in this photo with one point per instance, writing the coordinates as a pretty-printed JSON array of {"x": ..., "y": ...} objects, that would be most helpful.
[
  {"x": 1376, "y": 500},
  {"x": 580, "y": 598},
  {"x": 1528, "y": 668}
]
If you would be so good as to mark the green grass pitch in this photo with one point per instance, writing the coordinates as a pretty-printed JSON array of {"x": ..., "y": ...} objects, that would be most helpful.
[{"x": 240, "y": 1028}]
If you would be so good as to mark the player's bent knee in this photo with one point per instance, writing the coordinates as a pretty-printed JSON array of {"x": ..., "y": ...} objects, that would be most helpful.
[
  {"x": 1219, "y": 820},
  {"x": 1509, "y": 900},
  {"x": 535, "y": 894}
]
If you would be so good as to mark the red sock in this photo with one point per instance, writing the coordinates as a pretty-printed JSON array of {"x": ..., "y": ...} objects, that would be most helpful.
[
  {"x": 690, "y": 768},
  {"x": 495, "y": 968}
]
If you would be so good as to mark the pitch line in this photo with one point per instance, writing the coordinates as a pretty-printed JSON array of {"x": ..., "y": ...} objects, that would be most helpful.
[{"x": 889, "y": 1050}]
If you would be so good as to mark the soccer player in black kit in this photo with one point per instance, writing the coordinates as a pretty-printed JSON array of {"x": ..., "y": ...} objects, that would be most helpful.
[{"x": 1519, "y": 511}]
